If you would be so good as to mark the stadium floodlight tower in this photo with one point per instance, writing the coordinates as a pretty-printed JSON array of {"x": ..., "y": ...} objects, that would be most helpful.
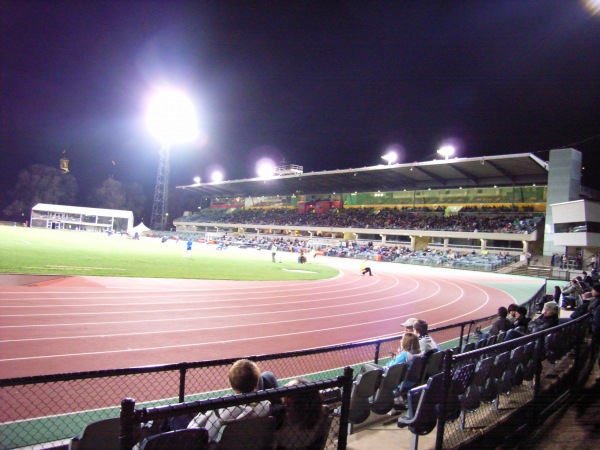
[{"x": 171, "y": 118}]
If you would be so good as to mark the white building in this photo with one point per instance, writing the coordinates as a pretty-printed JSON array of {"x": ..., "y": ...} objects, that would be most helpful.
[{"x": 62, "y": 217}]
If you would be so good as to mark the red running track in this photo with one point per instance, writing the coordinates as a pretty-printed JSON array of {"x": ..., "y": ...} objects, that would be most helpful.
[{"x": 91, "y": 323}]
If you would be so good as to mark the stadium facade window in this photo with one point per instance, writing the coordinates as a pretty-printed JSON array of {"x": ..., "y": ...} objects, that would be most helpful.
[{"x": 577, "y": 227}]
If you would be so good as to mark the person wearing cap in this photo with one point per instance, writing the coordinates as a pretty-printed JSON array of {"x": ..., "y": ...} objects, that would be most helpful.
[{"x": 410, "y": 324}]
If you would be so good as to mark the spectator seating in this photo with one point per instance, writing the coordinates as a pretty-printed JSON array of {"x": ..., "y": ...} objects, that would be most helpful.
[
  {"x": 480, "y": 389},
  {"x": 363, "y": 389},
  {"x": 422, "y": 414},
  {"x": 247, "y": 434},
  {"x": 383, "y": 401},
  {"x": 188, "y": 438},
  {"x": 98, "y": 435},
  {"x": 414, "y": 376}
]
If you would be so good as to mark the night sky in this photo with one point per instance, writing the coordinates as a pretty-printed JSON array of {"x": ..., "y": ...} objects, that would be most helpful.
[{"x": 326, "y": 85}]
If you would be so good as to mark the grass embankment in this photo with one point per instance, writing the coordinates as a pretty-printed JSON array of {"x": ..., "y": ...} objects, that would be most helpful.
[{"x": 41, "y": 251}]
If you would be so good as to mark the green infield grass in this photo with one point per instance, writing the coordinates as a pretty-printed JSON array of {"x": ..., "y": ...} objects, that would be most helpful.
[{"x": 56, "y": 252}]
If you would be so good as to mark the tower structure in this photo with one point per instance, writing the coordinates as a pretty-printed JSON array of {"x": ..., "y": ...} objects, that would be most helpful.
[{"x": 158, "y": 219}]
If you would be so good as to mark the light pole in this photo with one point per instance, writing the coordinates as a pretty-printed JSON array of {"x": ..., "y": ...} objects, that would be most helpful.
[{"x": 171, "y": 118}]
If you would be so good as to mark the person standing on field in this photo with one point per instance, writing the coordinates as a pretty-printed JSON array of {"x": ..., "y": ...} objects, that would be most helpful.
[{"x": 273, "y": 251}]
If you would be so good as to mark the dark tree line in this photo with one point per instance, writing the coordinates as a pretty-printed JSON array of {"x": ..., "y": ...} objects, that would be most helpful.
[{"x": 44, "y": 184}]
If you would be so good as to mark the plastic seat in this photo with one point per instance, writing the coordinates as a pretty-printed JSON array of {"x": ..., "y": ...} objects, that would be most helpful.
[
  {"x": 469, "y": 347},
  {"x": 100, "y": 435},
  {"x": 383, "y": 400},
  {"x": 414, "y": 376},
  {"x": 186, "y": 439},
  {"x": 515, "y": 366},
  {"x": 461, "y": 380},
  {"x": 434, "y": 364},
  {"x": 247, "y": 434},
  {"x": 364, "y": 388},
  {"x": 476, "y": 393},
  {"x": 423, "y": 401},
  {"x": 501, "y": 376}
]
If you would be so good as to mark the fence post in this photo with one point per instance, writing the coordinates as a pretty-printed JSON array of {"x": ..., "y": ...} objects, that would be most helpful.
[
  {"x": 539, "y": 356},
  {"x": 126, "y": 440},
  {"x": 182, "y": 373},
  {"x": 377, "y": 348},
  {"x": 447, "y": 367},
  {"x": 345, "y": 409},
  {"x": 462, "y": 332}
]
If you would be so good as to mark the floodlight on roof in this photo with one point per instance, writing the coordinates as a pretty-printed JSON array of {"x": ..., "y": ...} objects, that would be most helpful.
[
  {"x": 446, "y": 151},
  {"x": 217, "y": 176},
  {"x": 265, "y": 168},
  {"x": 390, "y": 157},
  {"x": 197, "y": 180}
]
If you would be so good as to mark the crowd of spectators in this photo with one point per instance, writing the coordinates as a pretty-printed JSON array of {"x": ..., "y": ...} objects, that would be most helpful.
[{"x": 488, "y": 220}]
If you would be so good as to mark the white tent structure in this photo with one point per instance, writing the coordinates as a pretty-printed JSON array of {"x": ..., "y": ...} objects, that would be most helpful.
[
  {"x": 64, "y": 217},
  {"x": 140, "y": 228}
]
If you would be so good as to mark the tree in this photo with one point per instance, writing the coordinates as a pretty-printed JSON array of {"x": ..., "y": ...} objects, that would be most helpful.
[
  {"x": 110, "y": 194},
  {"x": 135, "y": 199},
  {"x": 114, "y": 194},
  {"x": 40, "y": 184}
]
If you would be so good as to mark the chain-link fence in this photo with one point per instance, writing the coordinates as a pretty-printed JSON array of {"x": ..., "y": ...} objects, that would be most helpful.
[
  {"x": 516, "y": 381},
  {"x": 269, "y": 417},
  {"x": 45, "y": 411}
]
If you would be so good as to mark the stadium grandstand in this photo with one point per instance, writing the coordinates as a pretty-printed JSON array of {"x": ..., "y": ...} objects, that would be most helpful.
[{"x": 489, "y": 205}]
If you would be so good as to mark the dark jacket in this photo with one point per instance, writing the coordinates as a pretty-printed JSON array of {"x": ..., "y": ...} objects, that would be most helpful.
[
  {"x": 543, "y": 322},
  {"x": 502, "y": 324}
]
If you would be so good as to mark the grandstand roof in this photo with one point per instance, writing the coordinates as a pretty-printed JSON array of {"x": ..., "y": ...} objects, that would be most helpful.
[{"x": 507, "y": 170}]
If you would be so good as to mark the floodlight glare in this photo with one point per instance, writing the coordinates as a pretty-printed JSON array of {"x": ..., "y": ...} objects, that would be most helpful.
[
  {"x": 446, "y": 151},
  {"x": 197, "y": 180},
  {"x": 171, "y": 117},
  {"x": 217, "y": 176},
  {"x": 391, "y": 157},
  {"x": 265, "y": 168}
]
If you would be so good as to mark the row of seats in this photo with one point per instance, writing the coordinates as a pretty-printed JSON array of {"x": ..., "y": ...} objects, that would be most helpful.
[
  {"x": 482, "y": 379},
  {"x": 247, "y": 434},
  {"x": 375, "y": 389}
]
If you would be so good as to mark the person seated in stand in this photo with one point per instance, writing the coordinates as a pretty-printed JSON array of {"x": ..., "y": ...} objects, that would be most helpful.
[
  {"x": 410, "y": 324},
  {"x": 512, "y": 311},
  {"x": 548, "y": 319},
  {"x": 555, "y": 297},
  {"x": 501, "y": 324},
  {"x": 426, "y": 342},
  {"x": 520, "y": 326},
  {"x": 409, "y": 348},
  {"x": 244, "y": 376},
  {"x": 303, "y": 420},
  {"x": 570, "y": 294},
  {"x": 590, "y": 302}
]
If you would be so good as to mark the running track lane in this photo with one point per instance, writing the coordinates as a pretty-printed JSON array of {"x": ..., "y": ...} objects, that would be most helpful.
[{"x": 93, "y": 323}]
